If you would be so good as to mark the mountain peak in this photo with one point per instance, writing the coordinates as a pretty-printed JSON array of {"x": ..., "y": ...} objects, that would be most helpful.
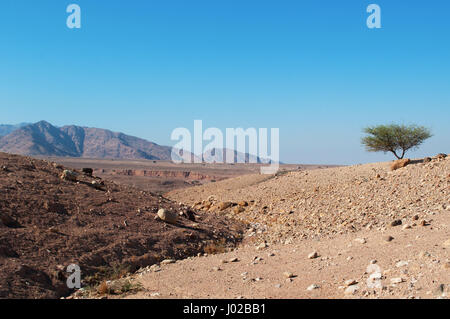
[{"x": 42, "y": 138}]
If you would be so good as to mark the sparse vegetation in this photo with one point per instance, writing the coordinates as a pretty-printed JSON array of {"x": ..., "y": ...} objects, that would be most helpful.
[
  {"x": 397, "y": 139},
  {"x": 216, "y": 247}
]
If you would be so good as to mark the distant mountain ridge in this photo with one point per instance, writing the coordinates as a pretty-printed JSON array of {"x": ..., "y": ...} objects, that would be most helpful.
[
  {"x": 42, "y": 138},
  {"x": 45, "y": 139},
  {"x": 5, "y": 129}
]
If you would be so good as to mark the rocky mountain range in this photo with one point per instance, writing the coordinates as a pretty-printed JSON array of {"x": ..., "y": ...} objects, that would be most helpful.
[
  {"x": 45, "y": 139},
  {"x": 5, "y": 129}
]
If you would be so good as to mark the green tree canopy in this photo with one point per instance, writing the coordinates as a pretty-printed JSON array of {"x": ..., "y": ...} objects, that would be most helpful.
[{"x": 397, "y": 139}]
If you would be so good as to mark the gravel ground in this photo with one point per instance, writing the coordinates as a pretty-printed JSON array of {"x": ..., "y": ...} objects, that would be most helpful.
[{"x": 349, "y": 232}]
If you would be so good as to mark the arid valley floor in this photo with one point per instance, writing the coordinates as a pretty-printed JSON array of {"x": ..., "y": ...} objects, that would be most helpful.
[{"x": 360, "y": 231}]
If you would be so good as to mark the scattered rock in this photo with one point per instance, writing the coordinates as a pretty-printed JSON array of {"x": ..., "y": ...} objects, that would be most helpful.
[
  {"x": 388, "y": 238},
  {"x": 261, "y": 246},
  {"x": 350, "y": 282},
  {"x": 351, "y": 290},
  {"x": 69, "y": 175},
  {"x": 401, "y": 264},
  {"x": 87, "y": 171},
  {"x": 224, "y": 205},
  {"x": 167, "y": 216},
  {"x": 243, "y": 203},
  {"x": 396, "y": 222},
  {"x": 312, "y": 287},
  {"x": 288, "y": 274},
  {"x": 424, "y": 223},
  {"x": 397, "y": 280},
  {"x": 361, "y": 240},
  {"x": 167, "y": 261},
  {"x": 8, "y": 221},
  {"x": 313, "y": 255}
]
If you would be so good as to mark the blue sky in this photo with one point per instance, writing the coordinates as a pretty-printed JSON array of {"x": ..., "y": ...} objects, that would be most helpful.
[{"x": 311, "y": 68}]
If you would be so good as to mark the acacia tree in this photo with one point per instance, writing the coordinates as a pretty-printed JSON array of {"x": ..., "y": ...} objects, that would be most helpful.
[{"x": 394, "y": 138}]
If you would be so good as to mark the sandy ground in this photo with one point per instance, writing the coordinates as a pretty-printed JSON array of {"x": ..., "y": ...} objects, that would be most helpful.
[
  {"x": 419, "y": 257},
  {"x": 377, "y": 233}
]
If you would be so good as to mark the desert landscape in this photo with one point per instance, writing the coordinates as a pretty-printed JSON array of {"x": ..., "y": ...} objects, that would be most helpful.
[
  {"x": 185, "y": 155},
  {"x": 363, "y": 231}
]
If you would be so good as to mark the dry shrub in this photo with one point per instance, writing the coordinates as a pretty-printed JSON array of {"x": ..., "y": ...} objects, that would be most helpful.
[
  {"x": 103, "y": 288},
  {"x": 400, "y": 163},
  {"x": 216, "y": 247}
]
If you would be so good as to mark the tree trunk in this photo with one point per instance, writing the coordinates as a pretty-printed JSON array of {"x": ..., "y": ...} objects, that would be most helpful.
[{"x": 398, "y": 157}]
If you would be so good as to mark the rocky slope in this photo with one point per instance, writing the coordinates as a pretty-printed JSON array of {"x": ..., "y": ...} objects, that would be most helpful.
[
  {"x": 328, "y": 202},
  {"x": 48, "y": 222}
]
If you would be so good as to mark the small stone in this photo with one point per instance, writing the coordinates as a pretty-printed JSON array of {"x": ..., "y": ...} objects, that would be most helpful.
[
  {"x": 351, "y": 290},
  {"x": 261, "y": 246},
  {"x": 277, "y": 286},
  {"x": 233, "y": 260},
  {"x": 288, "y": 274},
  {"x": 423, "y": 222},
  {"x": 406, "y": 226},
  {"x": 168, "y": 261},
  {"x": 313, "y": 255},
  {"x": 396, "y": 222},
  {"x": 312, "y": 287},
  {"x": 397, "y": 280},
  {"x": 361, "y": 240},
  {"x": 224, "y": 205},
  {"x": 350, "y": 282},
  {"x": 69, "y": 175},
  {"x": 167, "y": 216},
  {"x": 401, "y": 264},
  {"x": 388, "y": 238}
]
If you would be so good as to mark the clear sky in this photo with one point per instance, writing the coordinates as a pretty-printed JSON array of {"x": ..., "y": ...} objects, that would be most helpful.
[{"x": 311, "y": 68}]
